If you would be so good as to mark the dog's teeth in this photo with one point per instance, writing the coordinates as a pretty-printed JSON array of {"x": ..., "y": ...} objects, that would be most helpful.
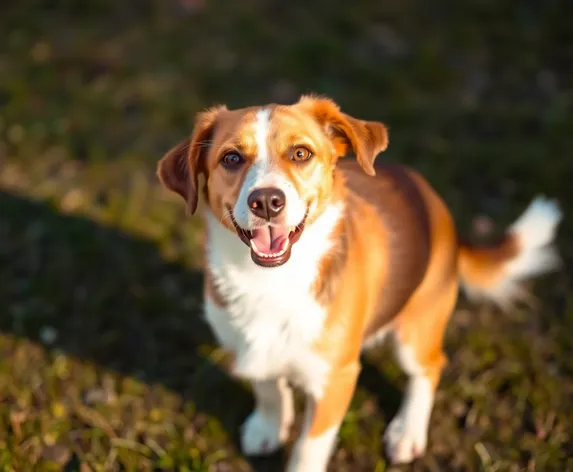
[
  {"x": 274, "y": 254},
  {"x": 267, "y": 256}
]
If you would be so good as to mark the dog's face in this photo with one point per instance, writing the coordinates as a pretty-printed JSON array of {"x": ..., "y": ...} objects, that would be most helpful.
[{"x": 269, "y": 170}]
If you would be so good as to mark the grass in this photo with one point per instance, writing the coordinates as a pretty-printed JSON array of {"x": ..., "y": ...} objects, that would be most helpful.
[{"x": 105, "y": 363}]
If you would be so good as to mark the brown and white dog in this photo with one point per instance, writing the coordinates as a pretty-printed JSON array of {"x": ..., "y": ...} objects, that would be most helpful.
[{"x": 309, "y": 260}]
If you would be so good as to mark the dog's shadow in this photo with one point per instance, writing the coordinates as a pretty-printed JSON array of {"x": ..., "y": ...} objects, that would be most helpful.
[{"x": 115, "y": 302}]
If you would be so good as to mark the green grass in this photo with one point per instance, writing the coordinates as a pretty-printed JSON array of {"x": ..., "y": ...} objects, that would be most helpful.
[{"x": 104, "y": 361}]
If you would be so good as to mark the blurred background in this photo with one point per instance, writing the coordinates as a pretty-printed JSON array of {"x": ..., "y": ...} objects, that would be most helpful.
[{"x": 105, "y": 363}]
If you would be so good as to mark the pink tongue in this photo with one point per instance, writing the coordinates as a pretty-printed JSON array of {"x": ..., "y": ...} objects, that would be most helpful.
[{"x": 269, "y": 240}]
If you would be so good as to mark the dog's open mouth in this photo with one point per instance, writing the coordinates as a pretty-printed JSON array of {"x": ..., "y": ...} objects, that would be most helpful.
[{"x": 270, "y": 245}]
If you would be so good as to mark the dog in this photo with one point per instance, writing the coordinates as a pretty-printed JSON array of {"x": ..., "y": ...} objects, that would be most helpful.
[{"x": 313, "y": 255}]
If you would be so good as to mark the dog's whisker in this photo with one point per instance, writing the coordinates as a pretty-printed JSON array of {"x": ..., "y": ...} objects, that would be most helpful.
[{"x": 227, "y": 215}]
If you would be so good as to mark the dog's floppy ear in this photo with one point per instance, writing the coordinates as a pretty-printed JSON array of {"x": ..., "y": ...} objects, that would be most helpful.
[
  {"x": 365, "y": 138},
  {"x": 179, "y": 169}
]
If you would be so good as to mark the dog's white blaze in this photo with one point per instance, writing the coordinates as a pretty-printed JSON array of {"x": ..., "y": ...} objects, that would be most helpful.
[
  {"x": 262, "y": 126},
  {"x": 272, "y": 317}
]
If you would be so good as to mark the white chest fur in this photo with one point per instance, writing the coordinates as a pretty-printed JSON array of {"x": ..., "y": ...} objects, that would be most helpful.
[{"x": 271, "y": 318}]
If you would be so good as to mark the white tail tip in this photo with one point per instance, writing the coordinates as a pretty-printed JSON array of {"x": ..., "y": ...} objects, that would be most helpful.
[{"x": 535, "y": 230}]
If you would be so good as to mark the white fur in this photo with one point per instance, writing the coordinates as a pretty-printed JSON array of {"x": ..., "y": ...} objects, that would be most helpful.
[
  {"x": 271, "y": 318},
  {"x": 262, "y": 126},
  {"x": 261, "y": 434},
  {"x": 406, "y": 435},
  {"x": 268, "y": 426},
  {"x": 312, "y": 454},
  {"x": 535, "y": 230},
  {"x": 263, "y": 174},
  {"x": 376, "y": 339}
]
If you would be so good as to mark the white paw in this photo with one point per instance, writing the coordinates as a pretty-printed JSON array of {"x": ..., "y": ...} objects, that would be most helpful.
[
  {"x": 404, "y": 441},
  {"x": 261, "y": 435}
]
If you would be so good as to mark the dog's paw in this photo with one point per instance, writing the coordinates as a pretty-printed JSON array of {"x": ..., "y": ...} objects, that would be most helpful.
[
  {"x": 261, "y": 435},
  {"x": 404, "y": 442}
]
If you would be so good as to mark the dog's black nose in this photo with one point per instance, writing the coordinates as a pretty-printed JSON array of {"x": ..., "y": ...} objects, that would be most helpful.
[{"x": 266, "y": 202}]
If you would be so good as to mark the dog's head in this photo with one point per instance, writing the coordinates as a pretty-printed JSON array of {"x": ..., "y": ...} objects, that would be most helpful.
[{"x": 269, "y": 170}]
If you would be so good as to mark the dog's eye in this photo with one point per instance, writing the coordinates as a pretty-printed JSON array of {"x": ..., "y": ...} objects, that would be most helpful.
[
  {"x": 232, "y": 160},
  {"x": 300, "y": 154}
]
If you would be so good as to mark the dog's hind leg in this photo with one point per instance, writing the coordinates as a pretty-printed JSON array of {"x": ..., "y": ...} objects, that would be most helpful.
[{"x": 418, "y": 340}]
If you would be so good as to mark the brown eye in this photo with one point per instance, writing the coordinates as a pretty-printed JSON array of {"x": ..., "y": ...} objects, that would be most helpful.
[
  {"x": 232, "y": 160},
  {"x": 300, "y": 154}
]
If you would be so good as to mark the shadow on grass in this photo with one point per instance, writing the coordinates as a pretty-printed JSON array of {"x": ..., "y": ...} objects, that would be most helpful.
[{"x": 114, "y": 301}]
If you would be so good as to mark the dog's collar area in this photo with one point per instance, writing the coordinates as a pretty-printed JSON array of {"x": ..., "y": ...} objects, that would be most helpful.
[{"x": 270, "y": 245}]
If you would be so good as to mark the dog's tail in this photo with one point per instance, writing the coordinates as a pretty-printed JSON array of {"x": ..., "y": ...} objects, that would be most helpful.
[{"x": 497, "y": 271}]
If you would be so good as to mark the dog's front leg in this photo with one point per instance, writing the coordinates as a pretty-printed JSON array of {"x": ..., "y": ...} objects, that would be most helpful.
[
  {"x": 323, "y": 416},
  {"x": 268, "y": 426}
]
